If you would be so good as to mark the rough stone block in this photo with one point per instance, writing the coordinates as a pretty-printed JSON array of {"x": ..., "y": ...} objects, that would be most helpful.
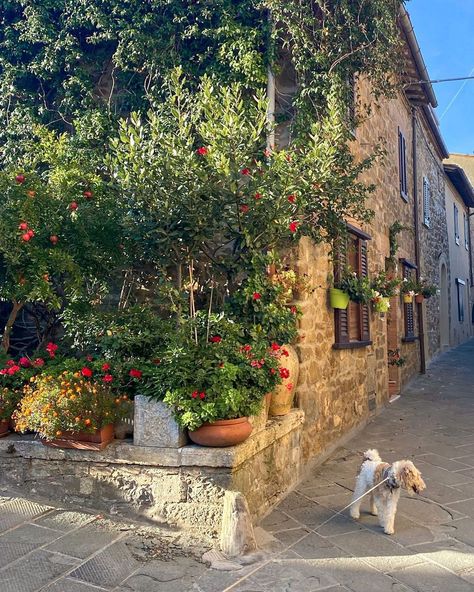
[{"x": 154, "y": 425}]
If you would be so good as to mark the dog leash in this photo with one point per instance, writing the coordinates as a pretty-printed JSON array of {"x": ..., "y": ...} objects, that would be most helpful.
[{"x": 349, "y": 505}]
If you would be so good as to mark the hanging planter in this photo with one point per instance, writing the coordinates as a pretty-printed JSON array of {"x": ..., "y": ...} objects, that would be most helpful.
[
  {"x": 338, "y": 299},
  {"x": 381, "y": 304},
  {"x": 419, "y": 298},
  {"x": 222, "y": 433},
  {"x": 407, "y": 298}
]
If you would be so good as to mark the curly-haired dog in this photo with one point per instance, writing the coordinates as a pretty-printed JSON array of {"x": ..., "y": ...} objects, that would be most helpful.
[{"x": 384, "y": 499}]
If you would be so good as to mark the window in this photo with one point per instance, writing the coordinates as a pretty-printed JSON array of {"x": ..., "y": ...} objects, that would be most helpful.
[
  {"x": 456, "y": 224},
  {"x": 460, "y": 285},
  {"x": 466, "y": 232},
  {"x": 426, "y": 202},
  {"x": 402, "y": 165},
  {"x": 352, "y": 326},
  {"x": 408, "y": 308}
]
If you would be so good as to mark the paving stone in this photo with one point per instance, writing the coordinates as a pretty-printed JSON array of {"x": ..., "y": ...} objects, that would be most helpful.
[
  {"x": 35, "y": 571},
  {"x": 65, "y": 520},
  {"x": 68, "y": 585},
  {"x": 463, "y": 530},
  {"x": 428, "y": 577},
  {"x": 161, "y": 576},
  {"x": 340, "y": 524},
  {"x": 16, "y": 543},
  {"x": 443, "y": 462},
  {"x": 16, "y": 511},
  {"x": 109, "y": 568},
  {"x": 450, "y": 553},
  {"x": 85, "y": 541},
  {"x": 465, "y": 507},
  {"x": 315, "y": 546},
  {"x": 277, "y": 521},
  {"x": 431, "y": 473},
  {"x": 424, "y": 511}
]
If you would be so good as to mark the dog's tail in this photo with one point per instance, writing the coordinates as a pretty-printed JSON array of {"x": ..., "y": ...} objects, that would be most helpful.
[{"x": 372, "y": 455}]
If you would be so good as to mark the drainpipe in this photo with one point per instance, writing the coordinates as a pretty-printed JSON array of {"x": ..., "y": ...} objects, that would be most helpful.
[{"x": 421, "y": 332}]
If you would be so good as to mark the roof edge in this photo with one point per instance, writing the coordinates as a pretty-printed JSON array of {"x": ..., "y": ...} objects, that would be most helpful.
[{"x": 460, "y": 180}]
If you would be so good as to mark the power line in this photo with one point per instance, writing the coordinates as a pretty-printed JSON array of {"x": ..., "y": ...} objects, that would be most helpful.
[{"x": 441, "y": 80}]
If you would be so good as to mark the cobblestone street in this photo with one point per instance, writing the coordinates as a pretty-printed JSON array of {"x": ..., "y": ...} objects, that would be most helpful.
[{"x": 53, "y": 550}]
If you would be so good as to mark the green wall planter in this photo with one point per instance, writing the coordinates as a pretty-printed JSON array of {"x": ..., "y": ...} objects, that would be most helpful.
[{"x": 338, "y": 298}]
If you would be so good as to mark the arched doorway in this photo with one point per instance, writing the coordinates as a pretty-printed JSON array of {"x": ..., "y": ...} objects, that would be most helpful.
[{"x": 444, "y": 307}]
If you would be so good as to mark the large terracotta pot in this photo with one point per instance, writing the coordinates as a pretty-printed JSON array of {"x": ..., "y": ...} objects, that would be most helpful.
[
  {"x": 283, "y": 395},
  {"x": 224, "y": 432},
  {"x": 4, "y": 427},
  {"x": 83, "y": 440},
  {"x": 419, "y": 298}
]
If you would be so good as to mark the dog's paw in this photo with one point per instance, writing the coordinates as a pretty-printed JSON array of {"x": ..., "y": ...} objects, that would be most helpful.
[
  {"x": 355, "y": 515},
  {"x": 389, "y": 531},
  {"x": 374, "y": 512}
]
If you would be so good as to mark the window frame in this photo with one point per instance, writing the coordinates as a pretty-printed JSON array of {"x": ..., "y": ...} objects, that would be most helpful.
[
  {"x": 461, "y": 288},
  {"x": 456, "y": 225},
  {"x": 342, "y": 318},
  {"x": 426, "y": 202},
  {"x": 402, "y": 165}
]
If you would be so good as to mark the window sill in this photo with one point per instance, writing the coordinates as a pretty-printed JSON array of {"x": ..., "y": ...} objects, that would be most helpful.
[
  {"x": 352, "y": 345},
  {"x": 410, "y": 339}
]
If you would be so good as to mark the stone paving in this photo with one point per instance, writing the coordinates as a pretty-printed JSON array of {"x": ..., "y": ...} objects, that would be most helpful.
[{"x": 52, "y": 550}]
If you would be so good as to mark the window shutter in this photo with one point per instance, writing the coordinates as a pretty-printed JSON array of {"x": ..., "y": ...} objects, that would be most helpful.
[
  {"x": 364, "y": 309},
  {"x": 409, "y": 310},
  {"x": 402, "y": 164},
  {"x": 341, "y": 317},
  {"x": 426, "y": 201},
  {"x": 456, "y": 224}
]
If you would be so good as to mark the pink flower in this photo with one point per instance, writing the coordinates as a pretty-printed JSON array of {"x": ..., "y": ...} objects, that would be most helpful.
[
  {"x": 289, "y": 386},
  {"x": 86, "y": 372},
  {"x": 245, "y": 171},
  {"x": 215, "y": 339},
  {"x": 10, "y": 362},
  {"x": 4, "y": 371},
  {"x": 108, "y": 378},
  {"x": 51, "y": 349},
  {"x": 294, "y": 226},
  {"x": 13, "y": 370},
  {"x": 256, "y": 295},
  {"x": 134, "y": 373},
  {"x": 105, "y": 367},
  {"x": 25, "y": 362},
  {"x": 284, "y": 373},
  {"x": 38, "y": 363},
  {"x": 202, "y": 151},
  {"x": 256, "y": 364}
]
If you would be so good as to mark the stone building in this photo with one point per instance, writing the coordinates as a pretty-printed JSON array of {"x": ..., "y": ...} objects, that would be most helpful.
[{"x": 456, "y": 288}]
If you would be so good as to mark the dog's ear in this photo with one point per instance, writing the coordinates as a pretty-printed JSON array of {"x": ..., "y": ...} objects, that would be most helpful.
[{"x": 410, "y": 478}]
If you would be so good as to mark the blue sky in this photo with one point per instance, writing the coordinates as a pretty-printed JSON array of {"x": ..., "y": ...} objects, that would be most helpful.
[{"x": 445, "y": 32}]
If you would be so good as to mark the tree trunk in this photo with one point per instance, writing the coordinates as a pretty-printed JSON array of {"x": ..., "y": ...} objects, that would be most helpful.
[{"x": 17, "y": 306}]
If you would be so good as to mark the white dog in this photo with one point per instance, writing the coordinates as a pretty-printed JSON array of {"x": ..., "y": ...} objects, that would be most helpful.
[{"x": 384, "y": 499}]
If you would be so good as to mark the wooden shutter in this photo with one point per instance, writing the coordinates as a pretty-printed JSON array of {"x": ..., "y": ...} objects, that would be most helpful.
[
  {"x": 426, "y": 201},
  {"x": 402, "y": 164},
  {"x": 341, "y": 317},
  {"x": 364, "y": 308},
  {"x": 456, "y": 224}
]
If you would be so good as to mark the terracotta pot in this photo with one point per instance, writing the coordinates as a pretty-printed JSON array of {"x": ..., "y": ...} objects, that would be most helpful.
[
  {"x": 283, "y": 395},
  {"x": 4, "y": 427},
  {"x": 224, "y": 432},
  {"x": 83, "y": 440},
  {"x": 419, "y": 298}
]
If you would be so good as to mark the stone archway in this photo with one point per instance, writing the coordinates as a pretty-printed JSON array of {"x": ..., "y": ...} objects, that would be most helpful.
[{"x": 443, "y": 306}]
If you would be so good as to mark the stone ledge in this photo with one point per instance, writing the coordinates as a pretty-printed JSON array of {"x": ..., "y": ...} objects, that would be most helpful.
[{"x": 124, "y": 452}]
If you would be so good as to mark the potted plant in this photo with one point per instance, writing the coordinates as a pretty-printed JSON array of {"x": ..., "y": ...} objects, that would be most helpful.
[
  {"x": 384, "y": 286},
  {"x": 213, "y": 386},
  {"x": 424, "y": 290},
  {"x": 353, "y": 287},
  {"x": 71, "y": 409},
  {"x": 395, "y": 358},
  {"x": 408, "y": 289}
]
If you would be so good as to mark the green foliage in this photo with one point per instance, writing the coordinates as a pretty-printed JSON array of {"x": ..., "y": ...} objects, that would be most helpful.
[
  {"x": 358, "y": 287},
  {"x": 385, "y": 284}
]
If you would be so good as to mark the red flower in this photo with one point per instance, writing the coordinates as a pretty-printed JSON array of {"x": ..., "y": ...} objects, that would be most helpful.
[
  {"x": 108, "y": 378},
  {"x": 38, "y": 363},
  {"x": 89, "y": 358},
  {"x": 284, "y": 373},
  {"x": 26, "y": 237},
  {"x": 215, "y": 339},
  {"x": 292, "y": 198},
  {"x": 51, "y": 349},
  {"x": 105, "y": 367},
  {"x": 245, "y": 171},
  {"x": 288, "y": 157},
  {"x": 202, "y": 395},
  {"x": 157, "y": 361},
  {"x": 54, "y": 238},
  {"x": 87, "y": 194},
  {"x": 284, "y": 352},
  {"x": 275, "y": 346},
  {"x": 289, "y": 386},
  {"x": 87, "y": 372},
  {"x": 134, "y": 373},
  {"x": 202, "y": 151},
  {"x": 247, "y": 348},
  {"x": 244, "y": 208},
  {"x": 3, "y": 371},
  {"x": 293, "y": 310},
  {"x": 73, "y": 206},
  {"x": 31, "y": 233},
  {"x": 294, "y": 226},
  {"x": 256, "y": 364},
  {"x": 194, "y": 394},
  {"x": 10, "y": 362},
  {"x": 13, "y": 369},
  {"x": 20, "y": 179},
  {"x": 23, "y": 226},
  {"x": 258, "y": 195},
  {"x": 25, "y": 362},
  {"x": 256, "y": 295},
  {"x": 272, "y": 371}
]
